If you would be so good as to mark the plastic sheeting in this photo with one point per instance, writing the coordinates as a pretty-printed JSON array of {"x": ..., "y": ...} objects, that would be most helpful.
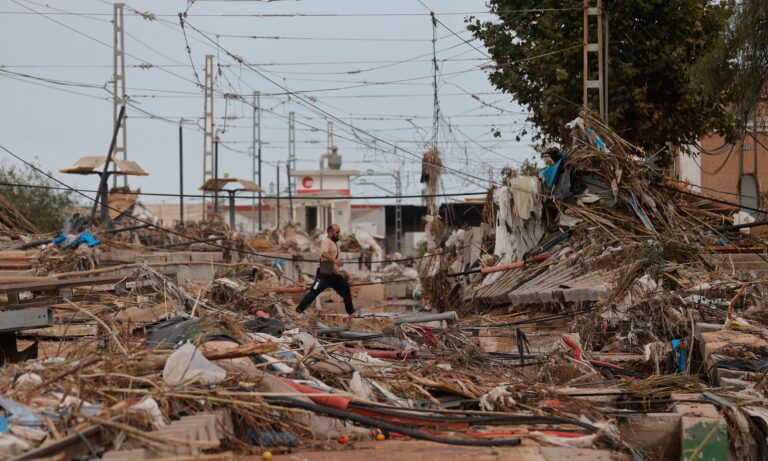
[
  {"x": 187, "y": 365},
  {"x": 505, "y": 240},
  {"x": 525, "y": 195}
]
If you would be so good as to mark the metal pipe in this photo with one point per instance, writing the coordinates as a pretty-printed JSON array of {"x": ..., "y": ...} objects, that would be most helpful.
[
  {"x": 450, "y": 315},
  {"x": 127, "y": 228},
  {"x": 388, "y": 340},
  {"x": 104, "y": 195},
  {"x": 32, "y": 244},
  {"x": 231, "y": 209},
  {"x": 104, "y": 199},
  {"x": 741, "y": 226}
]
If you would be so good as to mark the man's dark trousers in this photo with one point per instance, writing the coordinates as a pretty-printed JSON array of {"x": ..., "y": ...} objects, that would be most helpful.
[{"x": 335, "y": 281}]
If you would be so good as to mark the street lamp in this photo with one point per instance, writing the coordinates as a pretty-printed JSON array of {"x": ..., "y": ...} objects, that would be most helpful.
[{"x": 218, "y": 185}]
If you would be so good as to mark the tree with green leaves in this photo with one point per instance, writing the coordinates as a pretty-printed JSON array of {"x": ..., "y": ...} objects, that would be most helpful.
[
  {"x": 737, "y": 63},
  {"x": 537, "y": 46},
  {"x": 46, "y": 208}
]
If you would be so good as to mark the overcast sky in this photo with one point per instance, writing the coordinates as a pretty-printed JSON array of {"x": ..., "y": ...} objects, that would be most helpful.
[{"x": 366, "y": 62}]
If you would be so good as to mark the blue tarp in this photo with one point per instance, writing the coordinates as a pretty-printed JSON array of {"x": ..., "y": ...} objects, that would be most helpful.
[
  {"x": 85, "y": 237},
  {"x": 549, "y": 174}
]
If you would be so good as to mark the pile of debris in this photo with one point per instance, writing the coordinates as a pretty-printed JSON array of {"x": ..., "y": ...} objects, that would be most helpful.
[{"x": 603, "y": 312}]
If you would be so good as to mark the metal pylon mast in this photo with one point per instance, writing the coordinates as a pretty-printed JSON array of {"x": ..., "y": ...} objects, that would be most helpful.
[
  {"x": 209, "y": 153},
  {"x": 291, "y": 148},
  {"x": 593, "y": 19},
  {"x": 118, "y": 86}
]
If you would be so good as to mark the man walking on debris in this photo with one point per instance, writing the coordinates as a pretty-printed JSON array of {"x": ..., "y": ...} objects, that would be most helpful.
[{"x": 329, "y": 273}]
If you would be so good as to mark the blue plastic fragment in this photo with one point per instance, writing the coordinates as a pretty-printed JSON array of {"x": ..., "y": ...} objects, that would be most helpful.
[
  {"x": 279, "y": 265},
  {"x": 20, "y": 414},
  {"x": 597, "y": 140},
  {"x": 640, "y": 214},
  {"x": 549, "y": 174},
  {"x": 680, "y": 359},
  {"x": 58, "y": 240},
  {"x": 3, "y": 425},
  {"x": 85, "y": 237}
]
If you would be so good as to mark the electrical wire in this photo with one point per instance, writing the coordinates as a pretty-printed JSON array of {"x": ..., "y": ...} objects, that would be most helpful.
[
  {"x": 312, "y": 15},
  {"x": 179, "y": 234},
  {"x": 332, "y": 116},
  {"x": 416, "y": 157},
  {"x": 724, "y": 202},
  {"x": 387, "y": 426},
  {"x": 489, "y": 57},
  {"x": 250, "y": 197},
  {"x": 334, "y": 39}
]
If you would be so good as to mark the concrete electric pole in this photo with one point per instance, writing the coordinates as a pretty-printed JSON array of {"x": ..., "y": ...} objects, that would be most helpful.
[
  {"x": 256, "y": 156},
  {"x": 209, "y": 160},
  {"x": 291, "y": 145},
  {"x": 398, "y": 212},
  {"x": 118, "y": 86},
  {"x": 590, "y": 85}
]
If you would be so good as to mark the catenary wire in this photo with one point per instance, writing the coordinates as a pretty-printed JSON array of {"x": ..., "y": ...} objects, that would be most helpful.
[{"x": 192, "y": 239}]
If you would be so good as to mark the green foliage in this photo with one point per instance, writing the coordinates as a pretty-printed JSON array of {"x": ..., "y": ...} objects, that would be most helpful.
[
  {"x": 737, "y": 63},
  {"x": 45, "y": 208},
  {"x": 653, "y": 261},
  {"x": 529, "y": 167},
  {"x": 653, "y": 45}
]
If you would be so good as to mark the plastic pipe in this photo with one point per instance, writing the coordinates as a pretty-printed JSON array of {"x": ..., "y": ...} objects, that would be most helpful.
[
  {"x": 515, "y": 265},
  {"x": 340, "y": 403},
  {"x": 450, "y": 315}
]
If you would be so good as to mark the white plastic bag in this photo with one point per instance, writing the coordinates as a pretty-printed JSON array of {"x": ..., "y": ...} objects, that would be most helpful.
[{"x": 188, "y": 365}]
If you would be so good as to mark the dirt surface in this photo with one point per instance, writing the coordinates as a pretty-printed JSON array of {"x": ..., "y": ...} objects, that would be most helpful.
[{"x": 415, "y": 450}]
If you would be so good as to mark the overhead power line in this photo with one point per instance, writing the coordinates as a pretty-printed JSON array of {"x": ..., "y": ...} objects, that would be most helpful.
[
  {"x": 317, "y": 15},
  {"x": 173, "y": 232},
  {"x": 324, "y": 39},
  {"x": 249, "y": 197},
  {"x": 341, "y": 121}
]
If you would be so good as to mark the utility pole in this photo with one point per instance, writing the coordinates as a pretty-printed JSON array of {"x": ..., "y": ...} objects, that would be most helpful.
[
  {"x": 256, "y": 156},
  {"x": 290, "y": 194},
  {"x": 277, "y": 166},
  {"x": 208, "y": 132},
  {"x": 398, "y": 212},
  {"x": 181, "y": 175},
  {"x": 328, "y": 149},
  {"x": 607, "y": 47},
  {"x": 118, "y": 84},
  {"x": 291, "y": 146},
  {"x": 216, "y": 176},
  {"x": 596, "y": 49}
]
